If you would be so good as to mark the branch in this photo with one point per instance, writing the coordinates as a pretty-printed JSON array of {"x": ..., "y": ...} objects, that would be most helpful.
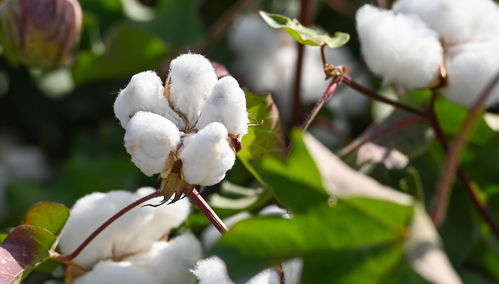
[
  {"x": 86, "y": 242},
  {"x": 348, "y": 150},
  {"x": 197, "y": 199},
  {"x": 325, "y": 97},
  {"x": 306, "y": 18},
  {"x": 454, "y": 152}
]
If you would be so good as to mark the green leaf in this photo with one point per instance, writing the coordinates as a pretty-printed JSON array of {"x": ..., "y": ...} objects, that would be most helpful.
[
  {"x": 48, "y": 215},
  {"x": 129, "y": 50},
  {"x": 265, "y": 138},
  {"x": 25, "y": 247},
  {"x": 294, "y": 188},
  {"x": 303, "y": 34},
  {"x": 359, "y": 230}
]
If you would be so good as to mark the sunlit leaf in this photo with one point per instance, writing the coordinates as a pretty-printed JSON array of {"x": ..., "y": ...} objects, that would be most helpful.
[
  {"x": 48, "y": 215},
  {"x": 303, "y": 34}
]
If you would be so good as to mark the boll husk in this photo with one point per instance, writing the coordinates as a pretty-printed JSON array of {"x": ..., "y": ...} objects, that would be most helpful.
[
  {"x": 149, "y": 139},
  {"x": 42, "y": 33},
  {"x": 207, "y": 155},
  {"x": 134, "y": 232}
]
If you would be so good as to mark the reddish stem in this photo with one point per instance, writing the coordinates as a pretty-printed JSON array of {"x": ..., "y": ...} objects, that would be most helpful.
[
  {"x": 197, "y": 199},
  {"x": 86, "y": 242},
  {"x": 454, "y": 152},
  {"x": 325, "y": 97},
  {"x": 347, "y": 151}
]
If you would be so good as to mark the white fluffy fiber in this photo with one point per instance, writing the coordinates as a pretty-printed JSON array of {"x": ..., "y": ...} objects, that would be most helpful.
[
  {"x": 401, "y": 49},
  {"x": 206, "y": 156},
  {"x": 227, "y": 105},
  {"x": 109, "y": 272},
  {"x": 192, "y": 78},
  {"x": 144, "y": 92},
  {"x": 132, "y": 233},
  {"x": 470, "y": 67},
  {"x": 213, "y": 271},
  {"x": 149, "y": 139}
]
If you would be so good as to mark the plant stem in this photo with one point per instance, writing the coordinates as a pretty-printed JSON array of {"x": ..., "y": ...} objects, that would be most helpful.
[
  {"x": 306, "y": 18},
  {"x": 348, "y": 150},
  {"x": 377, "y": 97},
  {"x": 381, "y": 3},
  {"x": 454, "y": 152},
  {"x": 325, "y": 97},
  {"x": 197, "y": 199},
  {"x": 86, "y": 242}
]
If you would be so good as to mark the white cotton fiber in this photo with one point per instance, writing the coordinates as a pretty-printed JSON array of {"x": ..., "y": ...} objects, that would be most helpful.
[
  {"x": 206, "y": 156},
  {"x": 227, "y": 105},
  {"x": 470, "y": 67},
  {"x": 143, "y": 93},
  {"x": 191, "y": 79},
  {"x": 133, "y": 232},
  {"x": 456, "y": 21},
  {"x": 109, "y": 272},
  {"x": 149, "y": 139},
  {"x": 170, "y": 262},
  {"x": 401, "y": 49}
]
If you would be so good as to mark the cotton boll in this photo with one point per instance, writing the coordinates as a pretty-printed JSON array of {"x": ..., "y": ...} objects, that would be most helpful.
[
  {"x": 149, "y": 139},
  {"x": 470, "y": 67},
  {"x": 211, "y": 271},
  {"x": 211, "y": 235},
  {"x": 109, "y": 272},
  {"x": 206, "y": 156},
  {"x": 401, "y": 49},
  {"x": 143, "y": 93},
  {"x": 227, "y": 105},
  {"x": 133, "y": 232},
  {"x": 191, "y": 79},
  {"x": 250, "y": 33},
  {"x": 170, "y": 262}
]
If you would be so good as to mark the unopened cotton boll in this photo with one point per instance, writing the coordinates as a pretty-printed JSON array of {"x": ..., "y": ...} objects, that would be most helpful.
[
  {"x": 401, "y": 49},
  {"x": 191, "y": 79},
  {"x": 143, "y": 93},
  {"x": 123, "y": 272},
  {"x": 149, "y": 139},
  {"x": 227, "y": 105},
  {"x": 206, "y": 156},
  {"x": 470, "y": 67},
  {"x": 170, "y": 262},
  {"x": 132, "y": 233}
]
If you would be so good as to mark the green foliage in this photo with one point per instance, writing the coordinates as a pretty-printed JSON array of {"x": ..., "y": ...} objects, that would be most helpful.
[{"x": 303, "y": 34}]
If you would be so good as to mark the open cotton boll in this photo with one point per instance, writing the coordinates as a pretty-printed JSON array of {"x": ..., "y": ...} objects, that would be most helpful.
[
  {"x": 249, "y": 34},
  {"x": 143, "y": 93},
  {"x": 401, "y": 49},
  {"x": 206, "y": 156},
  {"x": 456, "y": 21},
  {"x": 170, "y": 262},
  {"x": 191, "y": 79},
  {"x": 470, "y": 67},
  {"x": 149, "y": 139},
  {"x": 123, "y": 272},
  {"x": 131, "y": 233},
  {"x": 227, "y": 105}
]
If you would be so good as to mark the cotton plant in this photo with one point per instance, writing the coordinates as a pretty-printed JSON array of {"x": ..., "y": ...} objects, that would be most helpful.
[
  {"x": 419, "y": 43},
  {"x": 187, "y": 130},
  {"x": 136, "y": 248},
  {"x": 266, "y": 58}
]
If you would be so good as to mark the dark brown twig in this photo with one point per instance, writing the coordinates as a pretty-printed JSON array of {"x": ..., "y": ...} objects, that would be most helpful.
[{"x": 454, "y": 152}]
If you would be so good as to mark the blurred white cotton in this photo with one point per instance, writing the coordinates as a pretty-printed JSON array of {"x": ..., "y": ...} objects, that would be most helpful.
[
  {"x": 109, "y": 272},
  {"x": 399, "y": 48}
]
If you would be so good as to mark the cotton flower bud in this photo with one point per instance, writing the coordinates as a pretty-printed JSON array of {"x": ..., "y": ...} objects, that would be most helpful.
[
  {"x": 191, "y": 79},
  {"x": 42, "y": 33},
  {"x": 401, "y": 49},
  {"x": 109, "y": 272},
  {"x": 206, "y": 156},
  {"x": 143, "y": 93},
  {"x": 470, "y": 67},
  {"x": 149, "y": 139},
  {"x": 227, "y": 105},
  {"x": 134, "y": 232}
]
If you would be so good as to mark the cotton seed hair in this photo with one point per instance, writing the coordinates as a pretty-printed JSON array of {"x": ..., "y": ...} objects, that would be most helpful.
[{"x": 188, "y": 130}]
